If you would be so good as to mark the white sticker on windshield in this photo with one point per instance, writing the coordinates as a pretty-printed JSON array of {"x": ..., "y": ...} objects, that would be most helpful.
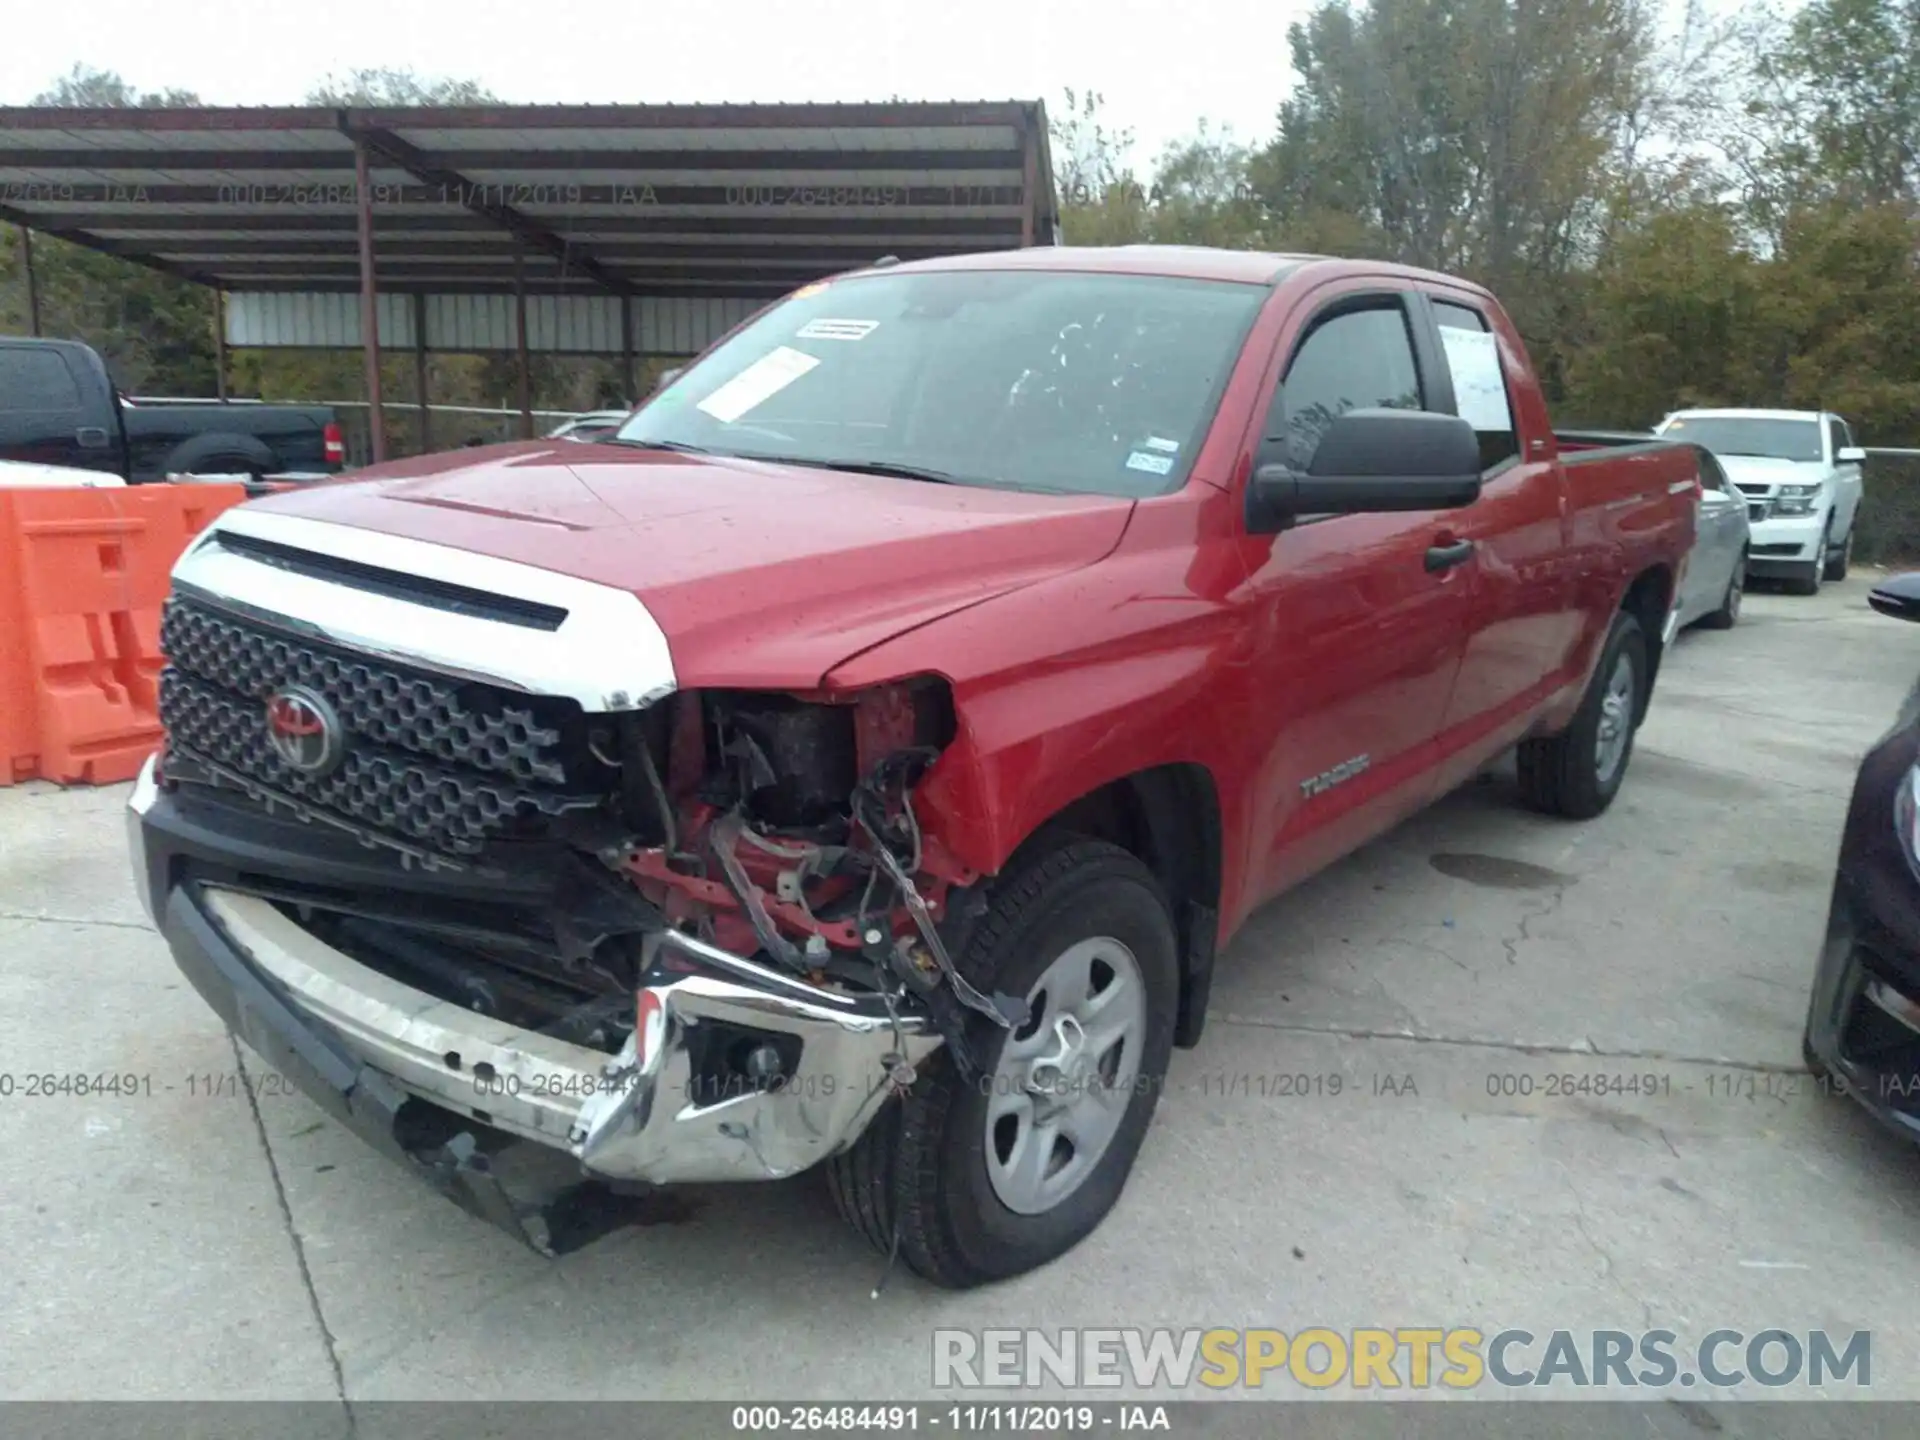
[
  {"x": 1479, "y": 389},
  {"x": 1152, "y": 464},
  {"x": 837, "y": 329},
  {"x": 1166, "y": 447},
  {"x": 760, "y": 381}
]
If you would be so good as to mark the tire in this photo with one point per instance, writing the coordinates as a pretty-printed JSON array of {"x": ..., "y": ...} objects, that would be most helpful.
[
  {"x": 1838, "y": 565},
  {"x": 221, "y": 455},
  {"x": 1728, "y": 615},
  {"x": 1568, "y": 774},
  {"x": 1806, "y": 581},
  {"x": 929, "y": 1169}
]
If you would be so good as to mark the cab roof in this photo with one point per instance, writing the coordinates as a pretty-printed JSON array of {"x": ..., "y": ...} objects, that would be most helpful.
[
  {"x": 1185, "y": 262},
  {"x": 1739, "y": 413},
  {"x": 1193, "y": 262}
]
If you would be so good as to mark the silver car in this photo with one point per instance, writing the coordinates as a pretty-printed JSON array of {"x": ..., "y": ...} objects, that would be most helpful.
[
  {"x": 1717, "y": 572},
  {"x": 595, "y": 425}
]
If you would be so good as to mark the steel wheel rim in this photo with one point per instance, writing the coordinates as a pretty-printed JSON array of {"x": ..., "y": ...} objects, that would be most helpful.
[
  {"x": 1066, "y": 1078},
  {"x": 1737, "y": 589},
  {"x": 1616, "y": 720}
]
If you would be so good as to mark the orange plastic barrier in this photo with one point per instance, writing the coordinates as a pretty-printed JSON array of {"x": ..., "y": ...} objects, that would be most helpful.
[{"x": 83, "y": 573}]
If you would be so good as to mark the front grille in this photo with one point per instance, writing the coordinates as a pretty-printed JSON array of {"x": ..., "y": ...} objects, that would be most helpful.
[{"x": 443, "y": 764}]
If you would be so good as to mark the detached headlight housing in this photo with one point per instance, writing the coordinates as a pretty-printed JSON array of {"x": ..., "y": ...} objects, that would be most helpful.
[
  {"x": 1796, "y": 499},
  {"x": 1906, "y": 816}
]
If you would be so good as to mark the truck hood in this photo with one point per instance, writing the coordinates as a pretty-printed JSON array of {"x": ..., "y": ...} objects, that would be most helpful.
[
  {"x": 761, "y": 575},
  {"x": 1765, "y": 470}
]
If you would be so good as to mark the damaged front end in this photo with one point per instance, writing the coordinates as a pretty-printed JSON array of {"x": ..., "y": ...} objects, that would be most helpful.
[{"x": 703, "y": 940}]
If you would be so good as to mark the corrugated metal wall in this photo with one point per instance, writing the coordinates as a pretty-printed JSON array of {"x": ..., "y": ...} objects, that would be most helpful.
[{"x": 556, "y": 324}]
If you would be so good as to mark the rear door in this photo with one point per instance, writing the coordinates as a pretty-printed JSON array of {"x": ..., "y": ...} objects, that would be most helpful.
[
  {"x": 1359, "y": 620},
  {"x": 52, "y": 411},
  {"x": 1523, "y": 627}
]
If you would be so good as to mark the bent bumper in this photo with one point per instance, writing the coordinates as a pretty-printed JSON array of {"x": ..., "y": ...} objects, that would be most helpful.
[{"x": 447, "y": 1090}]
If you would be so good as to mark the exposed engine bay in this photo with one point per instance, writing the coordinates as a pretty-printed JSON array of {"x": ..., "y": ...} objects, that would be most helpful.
[
  {"x": 786, "y": 825},
  {"x": 774, "y": 825}
]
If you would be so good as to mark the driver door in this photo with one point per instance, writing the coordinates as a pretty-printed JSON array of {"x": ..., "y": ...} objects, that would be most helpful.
[{"x": 1360, "y": 620}]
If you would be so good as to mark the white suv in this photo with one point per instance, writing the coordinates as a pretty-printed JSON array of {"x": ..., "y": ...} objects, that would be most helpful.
[{"x": 1800, "y": 473}]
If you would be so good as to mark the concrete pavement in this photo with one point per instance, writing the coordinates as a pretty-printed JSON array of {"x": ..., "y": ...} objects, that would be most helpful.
[{"x": 1365, "y": 1137}]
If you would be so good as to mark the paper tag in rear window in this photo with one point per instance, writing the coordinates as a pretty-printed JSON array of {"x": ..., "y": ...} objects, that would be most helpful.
[
  {"x": 1479, "y": 389},
  {"x": 759, "y": 382}
]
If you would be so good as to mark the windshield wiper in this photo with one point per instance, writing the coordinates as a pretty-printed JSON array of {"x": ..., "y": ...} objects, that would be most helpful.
[
  {"x": 868, "y": 467},
  {"x": 676, "y": 446}
]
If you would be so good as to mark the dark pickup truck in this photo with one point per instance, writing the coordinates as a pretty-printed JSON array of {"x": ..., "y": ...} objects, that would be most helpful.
[{"x": 59, "y": 406}]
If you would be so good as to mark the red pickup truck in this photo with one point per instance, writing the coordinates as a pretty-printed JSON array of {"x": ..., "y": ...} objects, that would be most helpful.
[{"x": 858, "y": 759}]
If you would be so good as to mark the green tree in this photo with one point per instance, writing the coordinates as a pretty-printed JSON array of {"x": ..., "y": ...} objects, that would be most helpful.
[
  {"x": 84, "y": 87},
  {"x": 1463, "y": 136},
  {"x": 1843, "y": 92},
  {"x": 381, "y": 86},
  {"x": 155, "y": 331}
]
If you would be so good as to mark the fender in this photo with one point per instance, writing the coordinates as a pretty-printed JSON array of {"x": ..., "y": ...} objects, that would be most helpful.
[{"x": 1067, "y": 685}]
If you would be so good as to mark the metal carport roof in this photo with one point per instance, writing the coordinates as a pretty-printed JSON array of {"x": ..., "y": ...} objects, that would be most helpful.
[
  {"x": 667, "y": 220},
  {"x": 661, "y": 200}
]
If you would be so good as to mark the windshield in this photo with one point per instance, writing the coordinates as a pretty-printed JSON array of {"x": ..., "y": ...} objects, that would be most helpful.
[
  {"x": 1738, "y": 435},
  {"x": 1037, "y": 380}
]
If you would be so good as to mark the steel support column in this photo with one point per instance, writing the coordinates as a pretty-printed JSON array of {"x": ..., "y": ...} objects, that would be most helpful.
[
  {"x": 1029, "y": 182},
  {"x": 420, "y": 371},
  {"x": 520, "y": 338},
  {"x": 626, "y": 350},
  {"x": 369, "y": 306},
  {"x": 220, "y": 343},
  {"x": 33, "y": 289}
]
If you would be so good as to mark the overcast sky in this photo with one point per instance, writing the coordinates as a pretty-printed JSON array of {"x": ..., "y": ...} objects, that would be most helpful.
[{"x": 1162, "y": 66}]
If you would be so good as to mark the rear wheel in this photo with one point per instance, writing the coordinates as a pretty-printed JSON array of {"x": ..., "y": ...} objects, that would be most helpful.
[
  {"x": 1838, "y": 561},
  {"x": 1578, "y": 772},
  {"x": 987, "y": 1180},
  {"x": 1728, "y": 615}
]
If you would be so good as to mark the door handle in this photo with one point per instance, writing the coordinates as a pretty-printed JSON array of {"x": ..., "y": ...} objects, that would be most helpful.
[
  {"x": 1445, "y": 557},
  {"x": 91, "y": 437}
]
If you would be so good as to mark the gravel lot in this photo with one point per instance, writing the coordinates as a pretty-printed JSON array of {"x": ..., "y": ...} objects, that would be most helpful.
[{"x": 192, "y": 1244}]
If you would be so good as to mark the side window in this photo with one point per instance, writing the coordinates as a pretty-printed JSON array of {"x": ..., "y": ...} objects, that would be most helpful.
[
  {"x": 1354, "y": 360},
  {"x": 34, "y": 379},
  {"x": 1712, "y": 477},
  {"x": 1479, "y": 383}
]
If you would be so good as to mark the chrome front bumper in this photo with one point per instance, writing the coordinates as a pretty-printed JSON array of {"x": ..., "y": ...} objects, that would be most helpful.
[
  {"x": 644, "y": 1116},
  {"x": 638, "y": 1116}
]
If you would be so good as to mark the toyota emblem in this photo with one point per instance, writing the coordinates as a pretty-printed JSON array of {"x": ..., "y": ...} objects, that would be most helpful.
[{"x": 305, "y": 732}]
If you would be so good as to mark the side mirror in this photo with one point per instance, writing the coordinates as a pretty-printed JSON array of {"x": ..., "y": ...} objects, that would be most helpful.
[
  {"x": 1898, "y": 596},
  {"x": 1371, "y": 461},
  {"x": 1850, "y": 455}
]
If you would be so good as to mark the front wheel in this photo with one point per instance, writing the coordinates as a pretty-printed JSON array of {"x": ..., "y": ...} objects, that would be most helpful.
[
  {"x": 1578, "y": 772},
  {"x": 985, "y": 1180},
  {"x": 1839, "y": 561}
]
